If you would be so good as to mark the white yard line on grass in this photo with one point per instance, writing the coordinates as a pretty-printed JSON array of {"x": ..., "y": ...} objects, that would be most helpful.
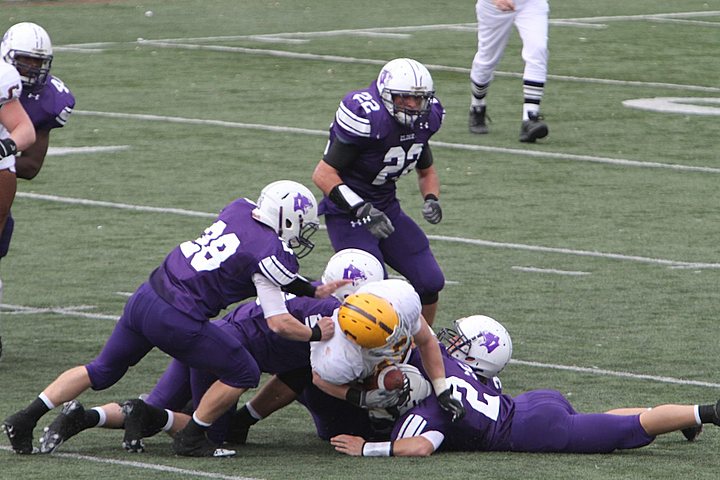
[
  {"x": 612, "y": 373},
  {"x": 548, "y": 270},
  {"x": 452, "y": 146},
  {"x": 147, "y": 466},
  {"x": 444, "y": 238}
]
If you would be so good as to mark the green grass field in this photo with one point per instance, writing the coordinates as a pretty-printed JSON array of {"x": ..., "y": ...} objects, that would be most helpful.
[{"x": 597, "y": 247}]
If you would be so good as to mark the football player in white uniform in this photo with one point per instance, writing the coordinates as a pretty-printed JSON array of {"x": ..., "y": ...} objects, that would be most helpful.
[
  {"x": 16, "y": 133},
  {"x": 495, "y": 19},
  {"x": 379, "y": 323}
]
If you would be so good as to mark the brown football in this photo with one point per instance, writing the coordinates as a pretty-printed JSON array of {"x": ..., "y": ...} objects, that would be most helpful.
[{"x": 390, "y": 378}]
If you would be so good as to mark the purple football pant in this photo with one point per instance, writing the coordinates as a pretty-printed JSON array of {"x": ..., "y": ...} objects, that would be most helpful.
[
  {"x": 148, "y": 321},
  {"x": 407, "y": 249},
  {"x": 544, "y": 421}
]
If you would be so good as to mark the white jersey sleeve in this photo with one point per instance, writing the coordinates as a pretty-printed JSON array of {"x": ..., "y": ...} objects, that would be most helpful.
[{"x": 10, "y": 89}]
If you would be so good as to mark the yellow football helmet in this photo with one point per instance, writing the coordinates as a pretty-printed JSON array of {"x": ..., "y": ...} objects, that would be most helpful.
[{"x": 367, "y": 319}]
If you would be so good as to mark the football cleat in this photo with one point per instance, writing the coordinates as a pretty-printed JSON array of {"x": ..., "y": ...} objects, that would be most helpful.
[
  {"x": 477, "y": 120},
  {"x": 69, "y": 423},
  {"x": 692, "y": 433},
  {"x": 198, "y": 446},
  {"x": 533, "y": 128},
  {"x": 19, "y": 428},
  {"x": 139, "y": 423}
]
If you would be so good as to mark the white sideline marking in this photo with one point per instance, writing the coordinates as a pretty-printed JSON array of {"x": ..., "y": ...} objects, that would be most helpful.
[
  {"x": 548, "y": 270},
  {"x": 471, "y": 241},
  {"x": 147, "y": 466},
  {"x": 613, "y": 373},
  {"x": 57, "y": 151},
  {"x": 454, "y": 146}
]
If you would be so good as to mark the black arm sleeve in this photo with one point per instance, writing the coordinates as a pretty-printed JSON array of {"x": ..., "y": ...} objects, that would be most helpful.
[
  {"x": 341, "y": 154},
  {"x": 300, "y": 287},
  {"x": 426, "y": 158}
]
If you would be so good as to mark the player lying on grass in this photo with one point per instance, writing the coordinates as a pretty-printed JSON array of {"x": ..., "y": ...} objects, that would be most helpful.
[{"x": 534, "y": 421}]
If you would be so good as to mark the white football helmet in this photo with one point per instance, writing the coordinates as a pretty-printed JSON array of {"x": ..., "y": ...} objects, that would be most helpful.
[
  {"x": 23, "y": 42},
  {"x": 405, "y": 77},
  {"x": 352, "y": 264},
  {"x": 481, "y": 342},
  {"x": 290, "y": 209}
]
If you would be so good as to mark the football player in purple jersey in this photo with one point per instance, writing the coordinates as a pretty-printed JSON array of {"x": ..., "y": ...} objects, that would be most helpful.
[
  {"x": 46, "y": 98},
  {"x": 289, "y": 360},
  {"x": 246, "y": 252},
  {"x": 379, "y": 134},
  {"x": 47, "y": 101},
  {"x": 16, "y": 133},
  {"x": 534, "y": 421}
]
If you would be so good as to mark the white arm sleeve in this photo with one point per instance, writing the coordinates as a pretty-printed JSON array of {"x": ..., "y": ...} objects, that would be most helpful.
[
  {"x": 434, "y": 437},
  {"x": 271, "y": 298}
]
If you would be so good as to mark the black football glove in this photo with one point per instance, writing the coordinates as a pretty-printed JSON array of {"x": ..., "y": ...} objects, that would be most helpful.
[
  {"x": 451, "y": 404},
  {"x": 7, "y": 147},
  {"x": 374, "y": 220},
  {"x": 431, "y": 209}
]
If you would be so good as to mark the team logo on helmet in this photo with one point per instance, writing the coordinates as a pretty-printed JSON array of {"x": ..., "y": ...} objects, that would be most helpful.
[
  {"x": 353, "y": 273},
  {"x": 301, "y": 203},
  {"x": 491, "y": 341},
  {"x": 385, "y": 76}
]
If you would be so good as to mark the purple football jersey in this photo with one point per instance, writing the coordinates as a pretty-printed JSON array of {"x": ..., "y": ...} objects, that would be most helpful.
[
  {"x": 51, "y": 106},
  {"x": 273, "y": 353},
  {"x": 388, "y": 149},
  {"x": 488, "y": 412},
  {"x": 204, "y": 276}
]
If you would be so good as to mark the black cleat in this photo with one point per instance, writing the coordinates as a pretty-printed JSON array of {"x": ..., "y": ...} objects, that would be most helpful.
[
  {"x": 477, "y": 121},
  {"x": 198, "y": 446},
  {"x": 692, "y": 433},
  {"x": 533, "y": 128},
  {"x": 19, "y": 429},
  {"x": 69, "y": 423},
  {"x": 141, "y": 421}
]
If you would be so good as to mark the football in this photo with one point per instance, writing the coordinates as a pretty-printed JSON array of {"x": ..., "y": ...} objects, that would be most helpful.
[{"x": 390, "y": 378}]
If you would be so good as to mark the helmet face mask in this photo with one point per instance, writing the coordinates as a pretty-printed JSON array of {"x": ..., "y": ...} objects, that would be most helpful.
[
  {"x": 407, "y": 90},
  {"x": 290, "y": 209},
  {"x": 352, "y": 264},
  {"x": 479, "y": 341},
  {"x": 28, "y": 48}
]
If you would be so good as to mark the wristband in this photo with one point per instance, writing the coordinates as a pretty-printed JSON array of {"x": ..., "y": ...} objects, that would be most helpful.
[
  {"x": 431, "y": 196},
  {"x": 344, "y": 197},
  {"x": 316, "y": 333},
  {"x": 354, "y": 396},
  {"x": 439, "y": 385},
  {"x": 377, "y": 449}
]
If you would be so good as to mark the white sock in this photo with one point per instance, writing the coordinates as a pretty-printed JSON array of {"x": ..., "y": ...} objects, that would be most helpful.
[{"x": 103, "y": 416}]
